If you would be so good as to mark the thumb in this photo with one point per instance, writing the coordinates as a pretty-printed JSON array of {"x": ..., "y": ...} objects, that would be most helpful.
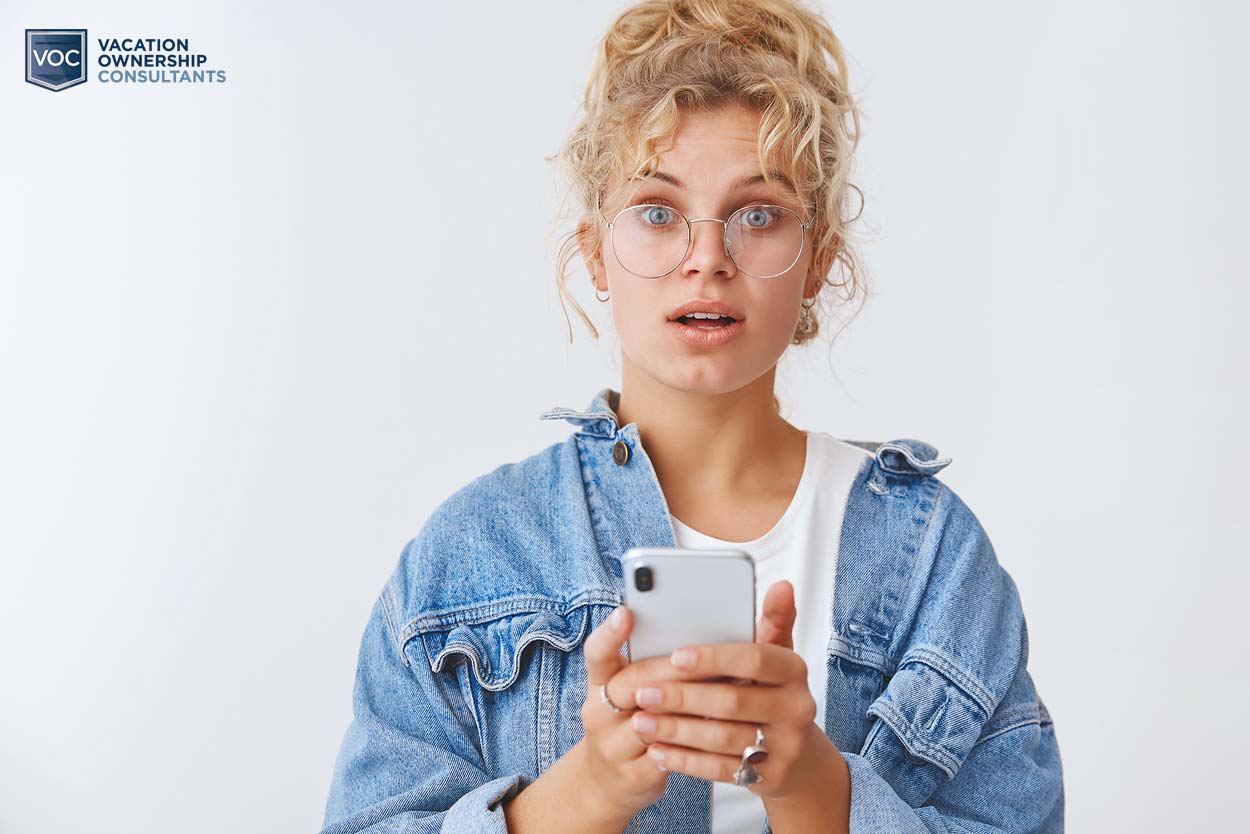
[
  {"x": 603, "y": 647},
  {"x": 776, "y": 623}
]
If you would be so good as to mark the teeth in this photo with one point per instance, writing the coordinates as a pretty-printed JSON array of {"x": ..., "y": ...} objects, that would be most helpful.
[{"x": 706, "y": 316}]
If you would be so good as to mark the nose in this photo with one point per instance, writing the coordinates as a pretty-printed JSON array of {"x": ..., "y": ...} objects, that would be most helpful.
[{"x": 708, "y": 254}]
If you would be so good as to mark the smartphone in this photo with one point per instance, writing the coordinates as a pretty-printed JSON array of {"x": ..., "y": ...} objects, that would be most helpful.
[{"x": 682, "y": 596}]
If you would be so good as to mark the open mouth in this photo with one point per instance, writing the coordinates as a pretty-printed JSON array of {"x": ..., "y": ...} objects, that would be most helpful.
[
  {"x": 708, "y": 321},
  {"x": 706, "y": 330}
]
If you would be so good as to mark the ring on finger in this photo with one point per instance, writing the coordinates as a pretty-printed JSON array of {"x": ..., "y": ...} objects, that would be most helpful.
[{"x": 607, "y": 702}]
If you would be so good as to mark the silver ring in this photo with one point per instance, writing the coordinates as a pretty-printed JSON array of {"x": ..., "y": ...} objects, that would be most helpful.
[
  {"x": 753, "y": 754},
  {"x": 607, "y": 702},
  {"x": 756, "y": 753},
  {"x": 747, "y": 775}
]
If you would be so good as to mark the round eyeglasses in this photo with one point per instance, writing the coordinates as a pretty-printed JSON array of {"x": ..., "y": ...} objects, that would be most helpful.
[{"x": 651, "y": 240}]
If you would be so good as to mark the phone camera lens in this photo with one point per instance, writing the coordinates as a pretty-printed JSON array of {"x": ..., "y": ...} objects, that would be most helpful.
[{"x": 643, "y": 579}]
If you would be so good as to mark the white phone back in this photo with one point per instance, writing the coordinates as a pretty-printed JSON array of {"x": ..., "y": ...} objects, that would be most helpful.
[{"x": 698, "y": 596}]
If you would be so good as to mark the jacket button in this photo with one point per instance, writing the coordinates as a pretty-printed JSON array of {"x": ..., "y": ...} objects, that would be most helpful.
[{"x": 620, "y": 452}]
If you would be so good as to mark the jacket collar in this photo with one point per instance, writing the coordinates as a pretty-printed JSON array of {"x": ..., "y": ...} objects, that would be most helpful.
[
  {"x": 599, "y": 417},
  {"x": 905, "y": 455}
]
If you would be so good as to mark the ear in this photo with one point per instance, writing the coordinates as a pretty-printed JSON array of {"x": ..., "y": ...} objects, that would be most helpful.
[{"x": 592, "y": 252}]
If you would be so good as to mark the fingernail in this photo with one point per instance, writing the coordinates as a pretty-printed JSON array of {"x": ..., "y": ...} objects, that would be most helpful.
[
  {"x": 684, "y": 658},
  {"x": 648, "y": 696},
  {"x": 618, "y": 618},
  {"x": 643, "y": 723},
  {"x": 657, "y": 756}
]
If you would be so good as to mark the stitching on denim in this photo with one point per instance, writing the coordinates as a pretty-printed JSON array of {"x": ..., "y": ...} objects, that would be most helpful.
[
  {"x": 588, "y": 416},
  {"x": 873, "y": 731},
  {"x": 548, "y": 703},
  {"x": 940, "y": 711},
  {"x": 466, "y": 696},
  {"x": 858, "y": 654},
  {"x": 466, "y": 645},
  {"x": 1026, "y": 713},
  {"x": 1025, "y": 722},
  {"x": 916, "y": 744},
  {"x": 549, "y": 636},
  {"x": 921, "y": 521},
  {"x": 947, "y": 668},
  {"x": 911, "y": 737},
  {"x": 953, "y": 678},
  {"x": 590, "y": 490},
  {"x": 446, "y": 619},
  {"x": 927, "y": 466}
]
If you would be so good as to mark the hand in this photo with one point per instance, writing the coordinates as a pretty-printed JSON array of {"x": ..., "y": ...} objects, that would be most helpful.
[
  {"x": 701, "y": 728},
  {"x": 624, "y": 780}
]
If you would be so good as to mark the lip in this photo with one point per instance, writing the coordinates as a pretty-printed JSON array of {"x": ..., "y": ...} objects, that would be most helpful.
[
  {"x": 700, "y": 305},
  {"x": 712, "y": 337}
]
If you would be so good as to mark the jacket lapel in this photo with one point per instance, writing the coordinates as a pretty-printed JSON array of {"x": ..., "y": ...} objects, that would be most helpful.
[{"x": 627, "y": 509}]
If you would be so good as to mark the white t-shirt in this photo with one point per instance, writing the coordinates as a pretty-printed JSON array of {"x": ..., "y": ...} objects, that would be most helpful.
[{"x": 803, "y": 548}]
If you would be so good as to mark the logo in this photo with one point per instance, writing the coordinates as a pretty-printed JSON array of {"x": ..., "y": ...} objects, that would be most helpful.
[{"x": 56, "y": 59}]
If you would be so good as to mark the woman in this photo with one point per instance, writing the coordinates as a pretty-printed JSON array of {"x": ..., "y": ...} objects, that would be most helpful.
[{"x": 890, "y": 689}]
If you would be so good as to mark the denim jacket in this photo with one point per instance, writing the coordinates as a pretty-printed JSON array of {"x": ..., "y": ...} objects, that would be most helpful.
[{"x": 471, "y": 676}]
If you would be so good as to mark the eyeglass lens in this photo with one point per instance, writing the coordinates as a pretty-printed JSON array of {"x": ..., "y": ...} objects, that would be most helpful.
[{"x": 652, "y": 240}]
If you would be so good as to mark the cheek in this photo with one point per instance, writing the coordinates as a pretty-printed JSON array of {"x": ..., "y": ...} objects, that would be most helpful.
[
  {"x": 778, "y": 310},
  {"x": 634, "y": 307},
  {"x": 637, "y": 315},
  {"x": 775, "y": 317}
]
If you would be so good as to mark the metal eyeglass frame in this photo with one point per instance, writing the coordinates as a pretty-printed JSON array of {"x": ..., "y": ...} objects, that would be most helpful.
[{"x": 690, "y": 236}]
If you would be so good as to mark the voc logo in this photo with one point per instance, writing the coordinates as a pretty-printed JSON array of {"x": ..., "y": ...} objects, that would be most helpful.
[{"x": 56, "y": 59}]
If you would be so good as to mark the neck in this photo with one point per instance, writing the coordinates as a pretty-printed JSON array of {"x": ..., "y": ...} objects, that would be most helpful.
[{"x": 708, "y": 441}]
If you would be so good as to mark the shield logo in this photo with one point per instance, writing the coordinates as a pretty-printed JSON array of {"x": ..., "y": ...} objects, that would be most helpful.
[{"x": 56, "y": 59}]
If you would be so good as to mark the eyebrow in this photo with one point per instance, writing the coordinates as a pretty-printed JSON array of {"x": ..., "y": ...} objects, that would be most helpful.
[{"x": 744, "y": 181}]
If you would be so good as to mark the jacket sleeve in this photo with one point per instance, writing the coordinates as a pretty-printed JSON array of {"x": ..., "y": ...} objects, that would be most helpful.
[
  {"x": 963, "y": 742},
  {"x": 1012, "y": 781},
  {"x": 410, "y": 760}
]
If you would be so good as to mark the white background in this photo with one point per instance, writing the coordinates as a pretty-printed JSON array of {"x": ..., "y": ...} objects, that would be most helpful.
[{"x": 253, "y": 333}]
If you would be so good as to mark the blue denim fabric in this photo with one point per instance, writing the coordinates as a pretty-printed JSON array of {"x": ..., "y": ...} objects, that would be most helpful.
[{"x": 471, "y": 675}]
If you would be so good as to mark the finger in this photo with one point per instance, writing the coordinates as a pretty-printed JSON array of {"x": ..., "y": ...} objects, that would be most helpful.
[
  {"x": 711, "y": 736},
  {"x": 777, "y": 616},
  {"x": 613, "y": 738},
  {"x": 625, "y": 681},
  {"x": 603, "y": 647},
  {"x": 622, "y": 743},
  {"x": 713, "y": 767},
  {"x": 756, "y": 704},
  {"x": 759, "y": 662}
]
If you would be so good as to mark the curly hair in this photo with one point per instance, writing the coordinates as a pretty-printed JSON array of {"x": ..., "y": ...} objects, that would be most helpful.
[{"x": 778, "y": 57}]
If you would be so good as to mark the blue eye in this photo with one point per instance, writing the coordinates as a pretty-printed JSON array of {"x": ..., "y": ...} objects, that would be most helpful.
[
  {"x": 657, "y": 215},
  {"x": 757, "y": 217}
]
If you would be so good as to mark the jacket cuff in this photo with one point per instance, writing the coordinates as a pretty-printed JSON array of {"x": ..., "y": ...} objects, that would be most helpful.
[
  {"x": 875, "y": 806},
  {"x": 480, "y": 811}
]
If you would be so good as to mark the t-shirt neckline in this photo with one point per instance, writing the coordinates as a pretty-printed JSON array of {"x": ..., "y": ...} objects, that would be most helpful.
[{"x": 771, "y": 542}]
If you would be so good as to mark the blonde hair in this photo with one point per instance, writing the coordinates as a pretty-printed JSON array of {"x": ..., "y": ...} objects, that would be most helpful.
[{"x": 778, "y": 57}]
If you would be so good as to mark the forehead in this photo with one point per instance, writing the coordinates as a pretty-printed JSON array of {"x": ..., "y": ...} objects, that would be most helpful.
[
  {"x": 744, "y": 180},
  {"x": 728, "y": 131},
  {"x": 711, "y": 151}
]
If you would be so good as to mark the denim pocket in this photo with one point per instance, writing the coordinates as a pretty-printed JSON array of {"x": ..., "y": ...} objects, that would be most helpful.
[
  {"x": 512, "y": 662},
  {"x": 495, "y": 645}
]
